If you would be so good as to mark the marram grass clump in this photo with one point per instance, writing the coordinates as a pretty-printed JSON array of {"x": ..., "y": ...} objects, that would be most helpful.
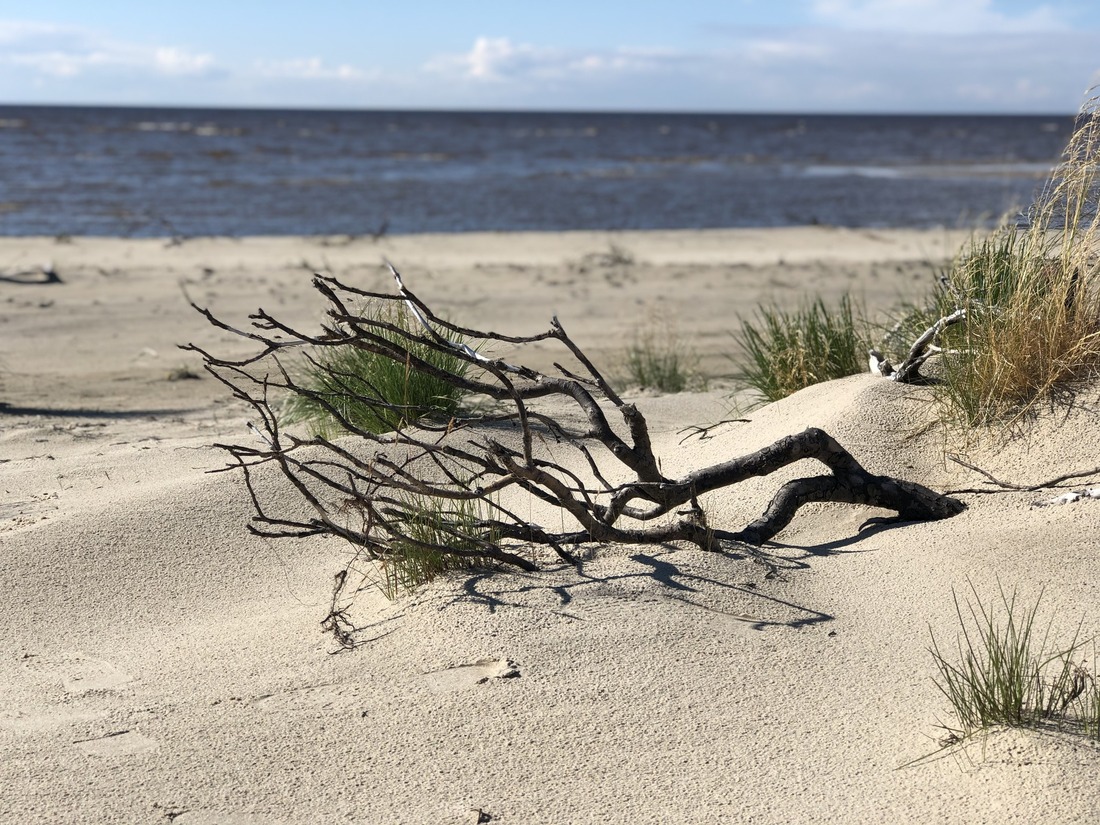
[
  {"x": 370, "y": 391},
  {"x": 659, "y": 359},
  {"x": 784, "y": 351},
  {"x": 1032, "y": 298}
]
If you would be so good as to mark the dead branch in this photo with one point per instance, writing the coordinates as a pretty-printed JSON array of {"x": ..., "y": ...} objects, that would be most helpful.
[
  {"x": 908, "y": 372},
  {"x": 45, "y": 274},
  {"x": 1007, "y": 486},
  {"x": 564, "y": 439}
]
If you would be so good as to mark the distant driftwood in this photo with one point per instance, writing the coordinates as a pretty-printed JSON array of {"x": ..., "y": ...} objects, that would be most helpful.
[
  {"x": 42, "y": 275},
  {"x": 908, "y": 372}
]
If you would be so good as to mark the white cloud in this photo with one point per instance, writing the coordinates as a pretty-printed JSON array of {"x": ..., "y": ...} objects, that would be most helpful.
[
  {"x": 499, "y": 60},
  {"x": 308, "y": 68},
  {"x": 631, "y": 60},
  {"x": 819, "y": 68},
  {"x": 66, "y": 63},
  {"x": 171, "y": 60},
  {"x": 856, "y": 55},
  {"x": 491, "y": 58},
  {"x": 943, "y": 17},
  {"x": 69, "y": 51},
  {"x": 496, "y": 59}
]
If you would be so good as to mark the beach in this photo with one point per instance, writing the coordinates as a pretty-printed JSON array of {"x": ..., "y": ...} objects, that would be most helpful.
[{"x": 163, "y": 664}]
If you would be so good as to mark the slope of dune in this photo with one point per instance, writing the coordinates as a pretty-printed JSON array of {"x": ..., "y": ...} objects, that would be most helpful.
[{"x": 162, "y": 664}]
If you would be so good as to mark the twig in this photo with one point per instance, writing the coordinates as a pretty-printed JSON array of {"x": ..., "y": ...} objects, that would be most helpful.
[
  {"x": 336, "y": 622},
  {"x": 1009, "y": 486},
  {"x": 704, "y": 432}
]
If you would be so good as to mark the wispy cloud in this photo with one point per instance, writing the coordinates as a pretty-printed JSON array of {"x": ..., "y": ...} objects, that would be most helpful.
[
  {"x": 69, "y": 51},
  {"x": 991, "y": 62},
  {"x": 846, "y": 55},
  {"x": 940, "y": 17},
  {"x": 309, "y": 68},
  {"x": 70, "y": 62},
  {"x": 497, "y": 60}
]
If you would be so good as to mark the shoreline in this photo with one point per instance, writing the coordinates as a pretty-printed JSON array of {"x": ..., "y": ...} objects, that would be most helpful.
[{"x": 811, "y": 238}]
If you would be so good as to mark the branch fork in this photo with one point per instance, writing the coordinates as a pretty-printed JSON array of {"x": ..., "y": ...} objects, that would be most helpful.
[{"x": 369, "y": 489}]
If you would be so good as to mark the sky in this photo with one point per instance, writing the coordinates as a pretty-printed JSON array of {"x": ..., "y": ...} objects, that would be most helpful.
[{"x": 806, "y": 56}]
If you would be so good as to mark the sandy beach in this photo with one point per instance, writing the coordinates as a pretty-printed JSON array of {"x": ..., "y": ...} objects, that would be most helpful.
[{"x": 162, "y": 664}]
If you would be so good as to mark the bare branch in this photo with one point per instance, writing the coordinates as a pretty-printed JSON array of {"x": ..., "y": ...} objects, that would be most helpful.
[
  {"x": 433, "y": 486},
  {"x": 921, "y": 350},
  {"x": 1009, "y": 486}
]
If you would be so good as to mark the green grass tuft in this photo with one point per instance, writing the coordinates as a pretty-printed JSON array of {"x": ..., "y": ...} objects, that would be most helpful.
[
  {"x": 787, "y": 351},
  {"x": 436, "y": 535},
  {"x": 370, "y": 391},
  {"x": 1032, "y": 297},
  {"x": 658, "y": 359},
  {"x": 1005, "y": 672}
]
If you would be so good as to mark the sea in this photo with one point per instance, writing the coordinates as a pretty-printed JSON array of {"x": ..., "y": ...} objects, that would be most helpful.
[{"x": 145, "y": 172}]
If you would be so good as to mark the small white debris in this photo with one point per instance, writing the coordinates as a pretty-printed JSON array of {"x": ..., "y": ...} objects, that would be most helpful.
[
  {"x": 1069, "y": 498},
  {"x": 256, "y": 432},
  {"x": 879, "y": 366}
]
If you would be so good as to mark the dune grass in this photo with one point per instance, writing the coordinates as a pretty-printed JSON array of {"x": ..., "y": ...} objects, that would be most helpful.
[
  {"x": 370, "y": 391},
  {"x": 437, "y": 536},
  {"x": 659, "y": 359},
  {"x": 784, "y": 352},
  {"x": 1032, "y": 331},
  {"x": 1032, "y": 302},
  {"x": 379, "y": 394},
  {"x": 1008, "y": 672}
]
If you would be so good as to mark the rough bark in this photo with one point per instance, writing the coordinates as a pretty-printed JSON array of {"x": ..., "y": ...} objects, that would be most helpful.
[{"x": 371, "y": 489}]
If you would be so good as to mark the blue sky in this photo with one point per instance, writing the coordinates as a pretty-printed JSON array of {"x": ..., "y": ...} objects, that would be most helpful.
[{"x": 693, "y": 55}]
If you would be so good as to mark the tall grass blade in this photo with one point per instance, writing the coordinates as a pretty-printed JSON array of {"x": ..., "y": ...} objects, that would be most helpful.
[{"x": 784, "y": 352}]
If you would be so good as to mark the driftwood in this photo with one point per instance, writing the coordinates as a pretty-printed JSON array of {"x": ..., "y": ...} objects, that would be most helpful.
[
  {"x": 45, "y": 274},
  {"x": 506, "y": 446},
  {"x": 908, "y": 372}
]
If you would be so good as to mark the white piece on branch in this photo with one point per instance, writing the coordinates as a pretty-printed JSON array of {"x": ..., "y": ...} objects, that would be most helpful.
[
  {"x": 923, "y": 349},
  {"x": 880, "y": 366},
  {"x": 252, "y": 428},
  {"x": 1070, "y": 497},
  {"x": 457, "y": 346}
]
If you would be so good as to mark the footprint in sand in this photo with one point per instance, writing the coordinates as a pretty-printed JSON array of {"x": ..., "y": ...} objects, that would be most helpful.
[
  {"x": 120, "y": 743},
  {"x": 475, "y": 673},
  {"x": 79, "y": 674},
  {"x": 308, "y": 696}
]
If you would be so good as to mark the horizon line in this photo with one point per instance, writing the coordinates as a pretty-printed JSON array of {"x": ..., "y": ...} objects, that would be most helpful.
[{"x": 517, "y": 110}]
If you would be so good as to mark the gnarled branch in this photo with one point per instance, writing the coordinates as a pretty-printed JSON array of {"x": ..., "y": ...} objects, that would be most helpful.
[{"x": 467, "y": 475}]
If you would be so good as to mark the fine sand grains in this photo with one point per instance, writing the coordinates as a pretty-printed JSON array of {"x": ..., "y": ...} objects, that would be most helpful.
[{"x": 161, "y": 664}]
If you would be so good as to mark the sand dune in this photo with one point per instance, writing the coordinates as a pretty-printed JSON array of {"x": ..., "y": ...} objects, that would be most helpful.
[{"x": 162, "y": 664}]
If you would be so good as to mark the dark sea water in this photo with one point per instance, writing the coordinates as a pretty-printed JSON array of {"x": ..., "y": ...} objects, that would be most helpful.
[{"x": 143, "y": 172}]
